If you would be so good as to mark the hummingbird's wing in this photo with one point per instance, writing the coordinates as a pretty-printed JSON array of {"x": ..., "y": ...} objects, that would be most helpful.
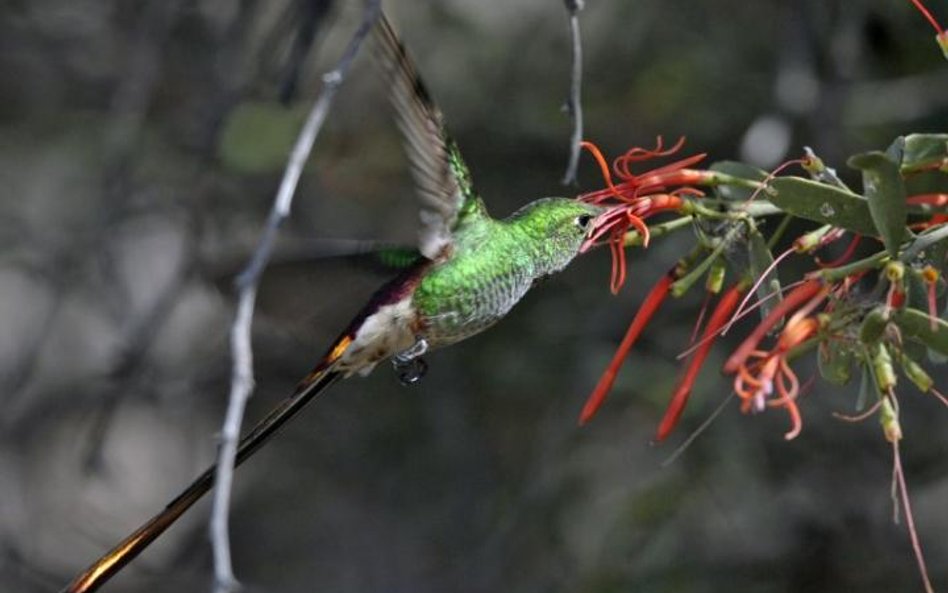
[{"x": 442, "y": 179}]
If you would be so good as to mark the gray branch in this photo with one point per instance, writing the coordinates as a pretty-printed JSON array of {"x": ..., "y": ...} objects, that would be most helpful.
[
  {"x": 242, "y": 370},
  {"x": 574, "y": 104}
]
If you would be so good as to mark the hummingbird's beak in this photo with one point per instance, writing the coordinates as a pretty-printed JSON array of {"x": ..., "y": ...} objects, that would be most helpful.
[{"x": 599, "y": 226}]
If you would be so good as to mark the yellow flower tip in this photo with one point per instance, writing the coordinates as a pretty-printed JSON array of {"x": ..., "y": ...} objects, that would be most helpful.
[{"x": 942, "y": 39}]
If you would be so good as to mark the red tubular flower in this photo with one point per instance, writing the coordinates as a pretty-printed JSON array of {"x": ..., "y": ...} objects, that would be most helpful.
[
  {"x": 895, "y": 297},
  {"x": 845, "y": 257},
  {"x": 634, "y": 199},
  {"x": 615, "y": 223},
  {"x": 682, "y": 392},
  {"x": 811, "y": 290},
  {"x": 766, "y": 374},
  {"x": 935, "y": 220},
  {"x": 651, "y": 304},
  {"x": 935, "y": 200},
  {"x": 632, "y": 186}
]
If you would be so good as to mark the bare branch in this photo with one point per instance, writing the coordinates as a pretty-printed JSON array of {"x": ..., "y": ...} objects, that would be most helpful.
[
  {"x": 900, "y": 490},
  {"x": 242, "y": 370},
  {"x": 574, "y": 104}
]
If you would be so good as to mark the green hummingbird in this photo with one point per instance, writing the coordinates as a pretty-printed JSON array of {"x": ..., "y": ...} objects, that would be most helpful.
[{"x": 469, "y": 270}]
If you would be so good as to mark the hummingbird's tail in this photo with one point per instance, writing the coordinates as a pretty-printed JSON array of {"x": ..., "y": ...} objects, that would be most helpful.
[{"x": 125, "y": 551}]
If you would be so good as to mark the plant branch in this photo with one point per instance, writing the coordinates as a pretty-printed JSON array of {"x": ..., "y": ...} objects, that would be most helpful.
[
  {"x": 574, "y": 104},
  {"x": 242, "y": 369}
]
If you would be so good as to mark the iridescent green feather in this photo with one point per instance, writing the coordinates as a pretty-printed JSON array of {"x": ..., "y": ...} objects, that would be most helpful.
[{"x": 495, "y": 263}]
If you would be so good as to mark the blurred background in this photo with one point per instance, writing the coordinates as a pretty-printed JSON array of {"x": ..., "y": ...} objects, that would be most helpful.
[{"x": 141, "y": 143}]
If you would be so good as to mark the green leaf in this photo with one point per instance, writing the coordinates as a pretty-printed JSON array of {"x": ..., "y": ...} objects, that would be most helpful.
[
  {"x": 918, "y": 325},
  {"x": 882, "y": 184},
  {"x": 822, "y": 203},
  {"x": 768, "y": 291},
  {"x": 741, "y": 171},
  {"x": 923, "y": 150},
  {"x": 933, "y": 355},
  {"x": 873, "y": 325},
  {"x": 915, "y": 373}
]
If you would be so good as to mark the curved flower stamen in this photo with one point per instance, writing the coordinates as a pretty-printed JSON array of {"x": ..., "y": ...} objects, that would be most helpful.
[
  {"x": 765, "y": 379},
  {"x": 634, "y": 199}
]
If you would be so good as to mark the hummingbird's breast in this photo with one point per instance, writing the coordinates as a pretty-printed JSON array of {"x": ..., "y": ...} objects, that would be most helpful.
[{"x": 471, "y": 291}]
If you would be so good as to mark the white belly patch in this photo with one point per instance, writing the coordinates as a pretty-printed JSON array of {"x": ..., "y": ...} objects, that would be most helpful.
[{"x": 382, "y": 334}]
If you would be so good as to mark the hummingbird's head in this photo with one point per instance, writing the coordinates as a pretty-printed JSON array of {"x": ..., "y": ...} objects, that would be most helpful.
[{"x": 556, "y": 228}]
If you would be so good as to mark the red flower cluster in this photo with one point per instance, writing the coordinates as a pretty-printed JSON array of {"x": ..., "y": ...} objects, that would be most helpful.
[
  {"x": 637, "y": 197},
  {"x": 762, "y": 376}
]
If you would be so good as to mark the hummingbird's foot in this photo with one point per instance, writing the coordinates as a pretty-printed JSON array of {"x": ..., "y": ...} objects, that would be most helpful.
[
  {"x": 417, "y": 349},
  {"x": 408, "y": 363}
]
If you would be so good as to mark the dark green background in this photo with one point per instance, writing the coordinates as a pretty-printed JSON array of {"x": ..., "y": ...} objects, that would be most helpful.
[{"x": 140, "y": 147}]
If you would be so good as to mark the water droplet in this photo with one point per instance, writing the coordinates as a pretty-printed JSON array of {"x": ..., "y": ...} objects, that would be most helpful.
[
  {"x": 827, "y": 210},
  {"x": 410, "y": 371}
]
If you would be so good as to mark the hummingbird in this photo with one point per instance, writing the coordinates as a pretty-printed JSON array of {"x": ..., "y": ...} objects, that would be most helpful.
[{"x": 469, "y": 270}]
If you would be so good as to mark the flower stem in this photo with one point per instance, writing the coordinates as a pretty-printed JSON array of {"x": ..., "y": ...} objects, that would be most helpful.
[
  {"x": 877, "y": 260},
  {"x": 635, "y": 239}
]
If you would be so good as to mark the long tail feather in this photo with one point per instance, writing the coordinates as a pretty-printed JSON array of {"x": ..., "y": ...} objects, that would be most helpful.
[{"x": 125, "y": 551}]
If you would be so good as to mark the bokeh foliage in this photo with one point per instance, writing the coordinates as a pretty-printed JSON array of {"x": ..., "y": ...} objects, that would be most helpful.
[{"x": 139, "y": 150}]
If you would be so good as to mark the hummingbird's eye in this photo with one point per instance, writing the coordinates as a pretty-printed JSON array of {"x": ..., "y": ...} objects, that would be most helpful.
[{"x": 583, "y": 220}]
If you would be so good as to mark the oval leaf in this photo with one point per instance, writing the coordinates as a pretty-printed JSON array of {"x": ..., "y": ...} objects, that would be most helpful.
[
  {"x": 824, "y": 204},
  {"x": 918, "y": 325},
  {"x": 882, "y": 184},
  {"x": 924, "y": 150}
]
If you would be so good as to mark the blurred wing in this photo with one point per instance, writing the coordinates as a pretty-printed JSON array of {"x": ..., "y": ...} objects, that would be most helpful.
[{"x": 442, "y": 179}]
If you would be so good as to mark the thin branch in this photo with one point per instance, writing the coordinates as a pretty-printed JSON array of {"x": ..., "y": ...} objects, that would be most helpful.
[
  {"x": 900, "y": 490},
  {"x": 574, "y": 104},
  {"x": 242, "y": 370}
]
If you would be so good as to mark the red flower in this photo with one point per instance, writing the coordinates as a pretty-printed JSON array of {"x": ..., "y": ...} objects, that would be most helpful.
[
  {"x": 651, "y": 303},
  {"x": 932, "y": 200},
  {"x": 636, "y": 198},
  {"x": 682, "y": 392},
  {"x": 632, "y": 186},
  {"x": 764, "y": 378}
]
